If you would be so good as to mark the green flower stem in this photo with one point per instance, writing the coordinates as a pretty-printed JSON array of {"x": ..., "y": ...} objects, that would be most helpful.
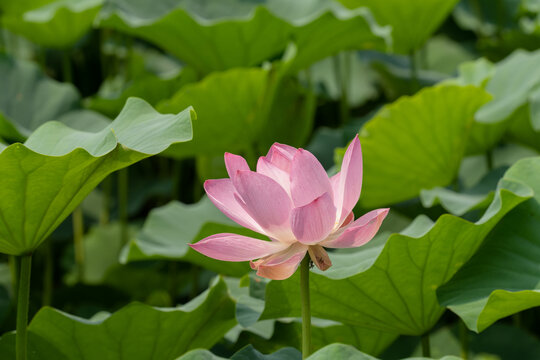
[
  {"x": 78, "y": 234},
  {"x": 426, "y": 351},
  {"x": 123, "y": 203},
  {"x": 464, "y": 339},
  {"x": 22, "y": 305},
  {"x": 306, "y": 307}
]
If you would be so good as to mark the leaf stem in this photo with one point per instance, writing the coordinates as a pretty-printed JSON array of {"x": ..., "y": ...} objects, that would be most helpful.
[
  {"x": 342, "y": 64},
  {"x": 48, "y": 274},
  {"x": 106, "y": 190},
  {"x": 14, "y": 266},
  {"x": 78, "y": 234},
  {"x": 23, "y": 299},
  {"x": 123, "y": 203},
  {"x": 464, "y": 340},
  {"x": 426, "y": 351},
  {"x": 306, "y": 307}
]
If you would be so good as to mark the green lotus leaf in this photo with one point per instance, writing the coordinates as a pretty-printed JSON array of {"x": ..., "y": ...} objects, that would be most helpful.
[
  {"x": 29, "y": 98},
  {"x": 287, "y": 332},
  {"x": 459, "y": 203},
  {"x": 242, "y": 107},
  {"x": 18, "y": 7},
  {"x": 101, "y": 246},
  {"x": 85, "y": 120},
  {"x": 521, "y": 128},
  {"x": 515, "y": 78},
  {"x": 219, "y": 35},
  {"x": 200, "y": 354},
  {"x": 152, "y": 77},
  {"x": 419, "y": 140},
  {"x": 502, "y": 278},
  {"x": 58, "y": 24},
  {"x": 247, "y": 353},
  {"x": 332, "y": 351},
  {"x": 392, "y": 287},
  {"x": 43, "y": 180},
  {"x": 362, "y": 83},
  {"x": 413, "y": 22},
  {"x": 476, "y": 72},
  {"x": 250, "y": 353},
  {"x": 514, "y": 84},
  {"x": 342, "y": 351},
  {"x": 445, "y": 55},
  {"x": 485, "y": 19},
  {"x": 169, "y": 229},
  {"x": 136, "y": 331},
  {"x": 534, "y": 107},
  {"x": 324, "y": 332},
  {"x": 483, "y": 136}
]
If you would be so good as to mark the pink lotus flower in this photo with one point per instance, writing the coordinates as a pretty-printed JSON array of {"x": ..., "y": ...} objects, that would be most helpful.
[{"x": 291, "y": 200}]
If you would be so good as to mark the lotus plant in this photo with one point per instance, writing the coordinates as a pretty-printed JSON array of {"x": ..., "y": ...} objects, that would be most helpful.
[{"x": 291, "y": 200}]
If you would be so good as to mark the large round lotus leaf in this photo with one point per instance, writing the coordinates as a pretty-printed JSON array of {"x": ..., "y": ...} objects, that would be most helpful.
[
  {"x": 10, "y": 7},
  {"x": 135, "y": 332},
  {"x": 43, "y": 180},
  {"x": 58, "y": 24},
  {"x": 417, "y": 143},
  {"x": 218, "y": 35},
  {"x": 169, "y": 229},
  {"x": 412, "y": 21},
  {"x": 515, "y": 78},
  {"x": 487, "y": 18},
  {"x": 28, "y": 98},
  {"x": 503, "y": 278},
  {"x": 241, "y": 107},
  {"x": 392, "y": 287}
]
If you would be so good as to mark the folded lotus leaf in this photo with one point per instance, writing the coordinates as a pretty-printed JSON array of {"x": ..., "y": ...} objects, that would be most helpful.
[
  {"x": 44, "y": 179},
  {"x": 503, "y": 277},
  {"x": 136, "y": 331},
  {"x": 58, "y": 24},
  {"x": 219, "y": 35},
  {"x": 393, "y": 287}
]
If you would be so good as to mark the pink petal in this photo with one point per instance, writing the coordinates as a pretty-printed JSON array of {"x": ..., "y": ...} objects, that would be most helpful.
[
  {"x": 281, "y": 265},
  {"x": 313, "y": 222},
  {"x": 348, "y": 183},
  {"x": 235, "y": 163},
  {"x": 320, "y": 257},
  {"x": 267, "y": 203},
  {"x": 232, "y": 247},
  {"x": 267, "y": 168},
  {"x": 308, "y": 178},
  {"x": 281, "y": 156},
  {"x": 349, "y": 219},
  {"x": 359, "y": 232},
  {"x": 221, "y": 193}
]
